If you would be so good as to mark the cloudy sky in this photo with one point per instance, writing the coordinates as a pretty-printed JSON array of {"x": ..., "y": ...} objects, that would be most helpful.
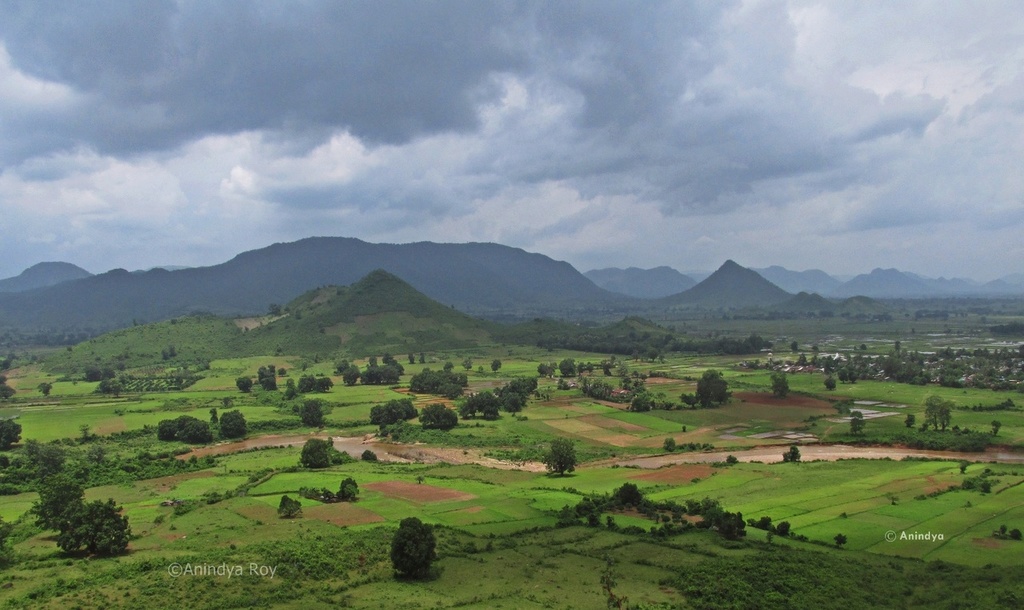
[{"x": 835, "y": 135}]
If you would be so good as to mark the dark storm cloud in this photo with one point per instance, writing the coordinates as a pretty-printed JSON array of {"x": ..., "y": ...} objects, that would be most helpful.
[
  {"x": 650, "y": 118},
  {"x": 159, "y": 73}
]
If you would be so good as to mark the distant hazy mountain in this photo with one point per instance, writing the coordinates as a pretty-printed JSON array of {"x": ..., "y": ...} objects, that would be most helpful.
[
  {"x": 476, "y": 278},
  {"x": 731, "y": 286},
  {"x": 42, "y": 275},
  {"x": 641, "y": 283},
  {"x": 812, "y": 280},
  {"x": 884, "y": 283},
  {"x": 892, "y": 283}
]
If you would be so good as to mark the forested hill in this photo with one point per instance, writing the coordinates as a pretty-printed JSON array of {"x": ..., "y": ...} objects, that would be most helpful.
[{"x": 478, "y": 278}]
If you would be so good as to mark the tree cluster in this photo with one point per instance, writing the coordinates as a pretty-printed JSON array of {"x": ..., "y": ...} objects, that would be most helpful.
[
  {"x": 310, "y": 383},
  {"x": 186, "y": 429},
  {"x": 392, "y": 412},
  {"x": 443, "y": 383},
  {"x": 320, "y": 453}
]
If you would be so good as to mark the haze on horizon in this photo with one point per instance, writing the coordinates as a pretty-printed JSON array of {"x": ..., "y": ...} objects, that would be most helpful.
[{"x": 838, "y": 136}]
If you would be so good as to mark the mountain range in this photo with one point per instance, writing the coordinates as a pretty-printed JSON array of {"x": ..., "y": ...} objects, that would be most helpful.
[{"x": 481, "y": 279}]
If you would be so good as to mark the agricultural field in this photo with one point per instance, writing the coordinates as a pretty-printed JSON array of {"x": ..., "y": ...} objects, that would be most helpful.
[{"x": 483, "y": 487}]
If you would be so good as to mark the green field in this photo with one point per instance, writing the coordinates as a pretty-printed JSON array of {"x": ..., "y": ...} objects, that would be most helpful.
[{"x": 494, "y": 509}]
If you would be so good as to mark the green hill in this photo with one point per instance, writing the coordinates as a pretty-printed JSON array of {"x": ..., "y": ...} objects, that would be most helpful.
[{"x": 378, "y": 313}]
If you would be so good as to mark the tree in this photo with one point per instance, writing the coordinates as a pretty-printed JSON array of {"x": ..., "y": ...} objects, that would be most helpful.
[
  {"x": 392, "y": 412},
  {"x": 485, "y": 403},
  {"x": 350, "y": 375},
  {"x": 567, "y": 367},
  {"x": 840, "y": 540},
  {"x": 467, "y": 363},
  {"x": 413, "y": 548},
  {"x": 712, "y": 389},
  {"x": 780, "y": 384},
  {"x": 438, "y": 417},
  {"x": 232, "y": 424},
  {"x": 316, "y": 453},
  {"x": 856, "y": 422},
  {"x": 996, "y": 425},
  {"x": 938, "y": 412},
  {"x": 312, "y": 413},
  {"x": 45, "y": 388},
  {"x": 289, "y": 508},
  {"x": 98, "y": 526},
  {"x": 794, "y": 347},
  {"x": 59, "y": 496},
  {"x": 495, "y": 365},
  {"x": 793, "y": 455},
  {"x": 910, "y": 420},
  {"x": 10, "y": 433},
  {"x": 561, "y": 457},
  {"x": 244, "y": 384},
  {"x": 348, "y": 490},
  {"x": 830, "y": 383}
]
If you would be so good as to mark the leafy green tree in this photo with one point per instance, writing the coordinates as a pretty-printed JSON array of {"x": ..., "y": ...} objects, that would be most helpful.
[
  {"x": 369, "y": 456},
  {"x": 793, "y": 455},
  {"x": 289, "y": 508},
  {"x": 316, "y": 453},
  {"x": 561, "y": 456},
  {"x": 233, "y": 425},
  {"x": 712, "y": 389},
  {"x": 60, "y": 495},
  {"x": 467, "y": 363},
  {"x": 350, "y": 375},
  {"x": 45, "y": 388},
  {"x": 45, "y": 458},
  {"x": 669, "y": 444},
  {"x": 484, "y": 403},
  {"x": 780, "y": 384},
  {"x": 312, "y": 413},
  {"x": 349, "y": 490},
  {"x": 244, "y": 384},
  {"x": 392, "y": 412},
  {"x": 938, "y": 412},
  {"x": 856, "y": 422},
  {"x": 99, "y": 527},
  {"x": 495, "y": 365},
  {"x": 438, "y": 417},
  {"x": 830, "y": 383},
  {"x": 10, "y": 433},
  {"x": 413, "y": 548},
  {"x": 910, "y": 420},
  {"x": 996, "y": 425},
  {"x": 567, "y": 367},
  {"x": 840, "y": 540}
]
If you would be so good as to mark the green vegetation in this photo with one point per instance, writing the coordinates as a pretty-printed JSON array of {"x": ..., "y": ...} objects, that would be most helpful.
[{"x": 548, "y": 483}]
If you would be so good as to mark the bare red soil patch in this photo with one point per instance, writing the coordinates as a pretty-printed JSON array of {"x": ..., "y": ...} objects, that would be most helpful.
[
  {"x": 682, "y": 473},
  {"x": 415, "y": 492},
  {"x": 793, "y": 400},
  {"x": 341, "y": 514},
  {"x": 986, "y": 543}
]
